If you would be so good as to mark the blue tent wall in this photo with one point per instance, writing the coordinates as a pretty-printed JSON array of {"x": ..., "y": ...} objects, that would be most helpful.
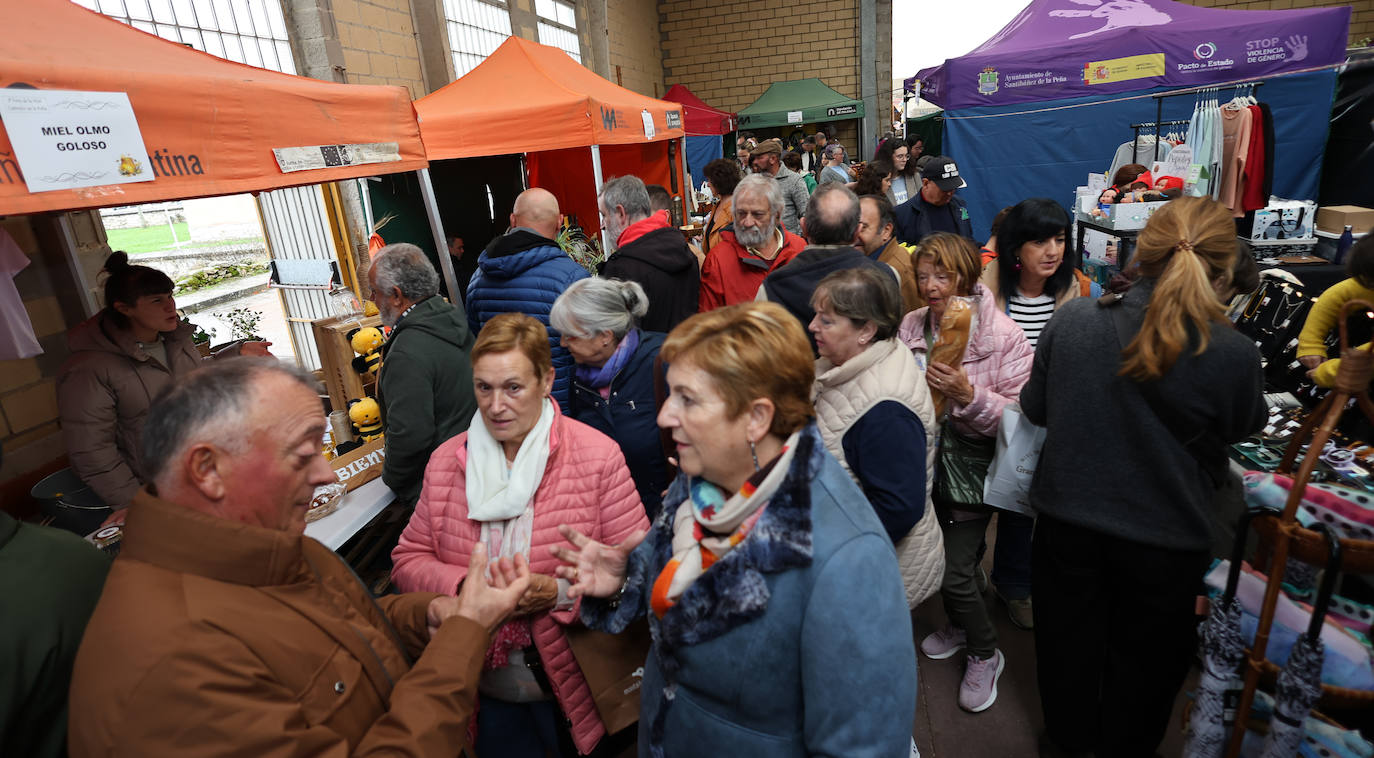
[
  {"x": 1046, "y": 153},
  {"x": 702, "y": 150}
]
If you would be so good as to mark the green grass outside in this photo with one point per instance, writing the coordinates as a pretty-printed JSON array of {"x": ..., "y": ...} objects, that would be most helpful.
[{"x": 154, "y": 239}]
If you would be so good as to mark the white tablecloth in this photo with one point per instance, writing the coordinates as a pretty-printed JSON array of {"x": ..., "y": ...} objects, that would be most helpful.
[{"x": 358, "y": 508}]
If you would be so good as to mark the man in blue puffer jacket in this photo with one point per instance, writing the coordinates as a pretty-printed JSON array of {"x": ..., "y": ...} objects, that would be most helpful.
[{"x": 524, "y": 271}]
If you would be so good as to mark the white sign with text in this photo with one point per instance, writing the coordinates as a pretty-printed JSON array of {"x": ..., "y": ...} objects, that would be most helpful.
[{"x": 66, "y": 140}]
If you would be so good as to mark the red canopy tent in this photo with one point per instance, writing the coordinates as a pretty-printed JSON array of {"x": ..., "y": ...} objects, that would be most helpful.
[
  {"x": 698, "y": 117},
  {"x": 706, "y": 129}
]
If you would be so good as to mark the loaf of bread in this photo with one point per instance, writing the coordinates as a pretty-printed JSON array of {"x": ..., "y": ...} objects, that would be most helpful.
[
  {"x": 955, "y": 327},
  {"x": 956, "y": 324}
]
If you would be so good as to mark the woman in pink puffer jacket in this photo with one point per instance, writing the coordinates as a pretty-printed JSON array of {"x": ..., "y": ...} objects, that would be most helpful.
[
  {"x": 996, "y": 364},
  {"x": 510, "y": 481}
]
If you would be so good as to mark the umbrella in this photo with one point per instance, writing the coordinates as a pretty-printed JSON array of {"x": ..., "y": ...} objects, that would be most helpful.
[
  {"x": 1300, "y": 683},
  {"x": 1223, "y": 649}
]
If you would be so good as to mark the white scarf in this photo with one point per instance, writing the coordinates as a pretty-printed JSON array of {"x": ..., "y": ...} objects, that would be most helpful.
[{"x": 497, "y": 493}]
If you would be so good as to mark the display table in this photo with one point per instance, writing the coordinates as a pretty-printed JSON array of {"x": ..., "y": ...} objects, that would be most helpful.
[{"x": 356, "y": 511}]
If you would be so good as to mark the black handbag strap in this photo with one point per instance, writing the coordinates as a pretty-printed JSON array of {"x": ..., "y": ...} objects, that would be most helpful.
[{"x": 1201, "y": 444}]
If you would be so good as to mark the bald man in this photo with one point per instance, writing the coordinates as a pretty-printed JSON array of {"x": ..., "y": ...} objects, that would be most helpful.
[
  {"x": 524, "y": 271},
  {"x": 831, "y": 224}
]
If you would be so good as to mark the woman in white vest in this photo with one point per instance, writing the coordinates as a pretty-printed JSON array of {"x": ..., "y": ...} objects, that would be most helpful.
[{"x": 876, "y": 416}]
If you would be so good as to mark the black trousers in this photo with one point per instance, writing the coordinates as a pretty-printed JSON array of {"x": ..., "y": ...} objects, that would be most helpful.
[{"x": 1115, "y": 633}]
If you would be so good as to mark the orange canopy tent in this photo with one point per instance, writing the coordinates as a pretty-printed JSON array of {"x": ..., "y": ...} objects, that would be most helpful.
[
  {"x": 573, "y": 126},
  {"x": 209, "y": 125},
  {"x": 527, "y": 97}
]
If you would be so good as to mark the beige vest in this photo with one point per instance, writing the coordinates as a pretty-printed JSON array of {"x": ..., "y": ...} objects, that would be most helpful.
[{"x": 843, "y": 394}]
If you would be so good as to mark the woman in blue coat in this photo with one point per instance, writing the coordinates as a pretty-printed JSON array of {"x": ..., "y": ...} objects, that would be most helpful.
[
  {"x": 613, "y": 377},
  {"x": 780, "y": 626}
]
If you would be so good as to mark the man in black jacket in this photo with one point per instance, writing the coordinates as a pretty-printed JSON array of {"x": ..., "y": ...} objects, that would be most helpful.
[
  {"x": 425, "y": 383},
  {"x": 935, "y": 208},
  {"x": 831, "y": 224},
  {"x": 648, "y": 250}
]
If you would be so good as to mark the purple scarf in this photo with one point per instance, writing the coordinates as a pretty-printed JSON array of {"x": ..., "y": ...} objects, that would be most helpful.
[{"x": 596, "y": 378}]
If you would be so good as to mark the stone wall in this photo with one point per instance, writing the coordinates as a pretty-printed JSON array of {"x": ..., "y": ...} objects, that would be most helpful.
[{"x": 636, "y": 57}]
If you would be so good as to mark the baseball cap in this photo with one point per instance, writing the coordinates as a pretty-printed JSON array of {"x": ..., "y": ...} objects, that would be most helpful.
[{"x": 942, "y": 170}]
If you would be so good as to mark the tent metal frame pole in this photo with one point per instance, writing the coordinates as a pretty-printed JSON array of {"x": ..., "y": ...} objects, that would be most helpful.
[
  {"x": 436, "y": 227},
  {"x": 596, "y": 177}
]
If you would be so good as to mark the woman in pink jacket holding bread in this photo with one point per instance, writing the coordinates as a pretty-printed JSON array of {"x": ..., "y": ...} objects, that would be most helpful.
[{"x": 520, "y": 471}]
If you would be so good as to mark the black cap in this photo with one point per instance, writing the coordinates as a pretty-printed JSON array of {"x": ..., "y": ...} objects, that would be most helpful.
[{"x": 944, "y": 173}]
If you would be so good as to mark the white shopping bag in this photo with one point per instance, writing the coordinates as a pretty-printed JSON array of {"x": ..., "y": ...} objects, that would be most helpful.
[{"x": 1013, "y": 464}]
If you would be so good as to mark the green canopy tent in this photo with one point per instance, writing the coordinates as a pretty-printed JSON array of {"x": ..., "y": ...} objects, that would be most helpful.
[
  {"x": 931, "y": 128},
  {"x": 803, "y": 101}
]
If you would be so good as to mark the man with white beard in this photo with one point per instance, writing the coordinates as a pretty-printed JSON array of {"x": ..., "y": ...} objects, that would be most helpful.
[{"x": 750, "y": 248}]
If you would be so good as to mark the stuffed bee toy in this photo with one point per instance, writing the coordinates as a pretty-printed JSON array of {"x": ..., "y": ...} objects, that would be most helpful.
[
  {"x": 366, "y": 416},
  {"x": 367, "y": 343}
]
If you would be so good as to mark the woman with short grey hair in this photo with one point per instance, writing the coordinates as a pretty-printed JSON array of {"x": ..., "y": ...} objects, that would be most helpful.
[
  {"x": 876, "y": 416},
  {"x": 613, "y": 380}
]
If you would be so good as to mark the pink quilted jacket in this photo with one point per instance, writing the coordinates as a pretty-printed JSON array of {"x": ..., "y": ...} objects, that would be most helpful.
[
  {"x": 998, "y": 363},
  {"x": 586, "y": 485}
]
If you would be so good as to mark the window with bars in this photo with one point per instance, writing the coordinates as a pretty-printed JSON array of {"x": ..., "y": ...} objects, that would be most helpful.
[
  {"x": 558, "y": 26},
  {"x": 247, "y": 31},
  {"x": 475, "y": 29}
]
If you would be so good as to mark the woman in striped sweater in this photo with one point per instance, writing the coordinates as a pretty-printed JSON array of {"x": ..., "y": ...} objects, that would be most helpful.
[{"x": 1031, "y": 279}]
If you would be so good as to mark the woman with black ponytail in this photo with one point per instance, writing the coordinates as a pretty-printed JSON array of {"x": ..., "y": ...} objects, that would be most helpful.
[
  {"x": 1140, "y": 394},
  {"x": 121, "y": 360}
]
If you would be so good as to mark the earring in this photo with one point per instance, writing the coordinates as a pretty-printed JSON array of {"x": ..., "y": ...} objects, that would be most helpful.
[
  {"x": 1018, "y": 264},
  {"x": 755, "y": 454}
]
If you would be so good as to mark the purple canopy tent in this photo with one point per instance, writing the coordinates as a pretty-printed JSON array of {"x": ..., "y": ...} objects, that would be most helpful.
[
  {"x": 1089, "y": 69},
  {"x": 1058, "y": 49}
]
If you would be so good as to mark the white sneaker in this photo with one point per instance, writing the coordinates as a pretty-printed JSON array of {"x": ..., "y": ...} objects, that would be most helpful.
[
  {"x": 978, "y": 691},
  {"x": 944, "y": 643}
]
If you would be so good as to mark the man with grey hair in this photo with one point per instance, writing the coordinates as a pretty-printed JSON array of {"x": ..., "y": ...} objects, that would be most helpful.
[
  {"x": 223, "y": 630},
  {"x": 832, "y": 235},
  {"x": 648, "y": 250},
  {"x": 425, "y": 384},
  {"x": 766, "y": 160},
  {"x": 750, "y": 248}
]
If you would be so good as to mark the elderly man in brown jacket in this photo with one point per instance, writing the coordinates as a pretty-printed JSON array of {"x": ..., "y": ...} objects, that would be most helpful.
[{"x": 222, "y": 630}]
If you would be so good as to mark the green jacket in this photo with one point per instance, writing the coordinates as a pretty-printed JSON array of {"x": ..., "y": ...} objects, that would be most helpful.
[
  {"x": 50, "y": 581},
  {"x": 425, "y": 391}
]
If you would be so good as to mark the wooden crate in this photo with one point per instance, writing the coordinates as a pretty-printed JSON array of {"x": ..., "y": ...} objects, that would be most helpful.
[
  {"x": 361, "y": 465},
  {"x": 336, "y": 359}
]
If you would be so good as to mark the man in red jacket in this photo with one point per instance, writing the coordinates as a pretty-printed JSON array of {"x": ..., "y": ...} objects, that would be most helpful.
[{"x": 750, "y": 248}]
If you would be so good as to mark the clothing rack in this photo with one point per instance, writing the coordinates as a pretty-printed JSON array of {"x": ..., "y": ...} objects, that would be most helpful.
[
  {"x": 1159, "y": 108},
  {"x": 1135, "y": 128}
]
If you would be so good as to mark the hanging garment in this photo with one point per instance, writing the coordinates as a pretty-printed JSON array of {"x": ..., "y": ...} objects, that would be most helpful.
[
  {"x": 1143, "y": 153},
  {"x": 1235, "y": 124},
  {"x": 1270, "y": 148},
  {"x": 1218, "y": 156},
  {"x": 1201, "y": 136},
  {"x": 16, "y": 331},
  {"x": 1253, "y": 196}
]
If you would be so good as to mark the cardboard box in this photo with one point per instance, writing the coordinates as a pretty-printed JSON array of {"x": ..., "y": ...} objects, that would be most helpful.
[
  {"x": 336, "y": 359},
  {"x": 1334, "y": 219}
]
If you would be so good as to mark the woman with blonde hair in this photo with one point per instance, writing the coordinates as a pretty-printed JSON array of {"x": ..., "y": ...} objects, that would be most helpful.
[
  {"x": 778, "y": 617},
  {"x": 1117, "y": 557},
  {"x": 520, "y": 471},
  {"x": 995, "y": 366}
]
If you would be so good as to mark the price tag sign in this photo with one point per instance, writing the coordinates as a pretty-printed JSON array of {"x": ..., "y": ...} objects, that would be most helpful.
[
  {"x": 1096, "y": 183},
  {"x": 794, "y": 117},
  {"x": 67, "y": 140},
  {"x": 648, "y": 124}
]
